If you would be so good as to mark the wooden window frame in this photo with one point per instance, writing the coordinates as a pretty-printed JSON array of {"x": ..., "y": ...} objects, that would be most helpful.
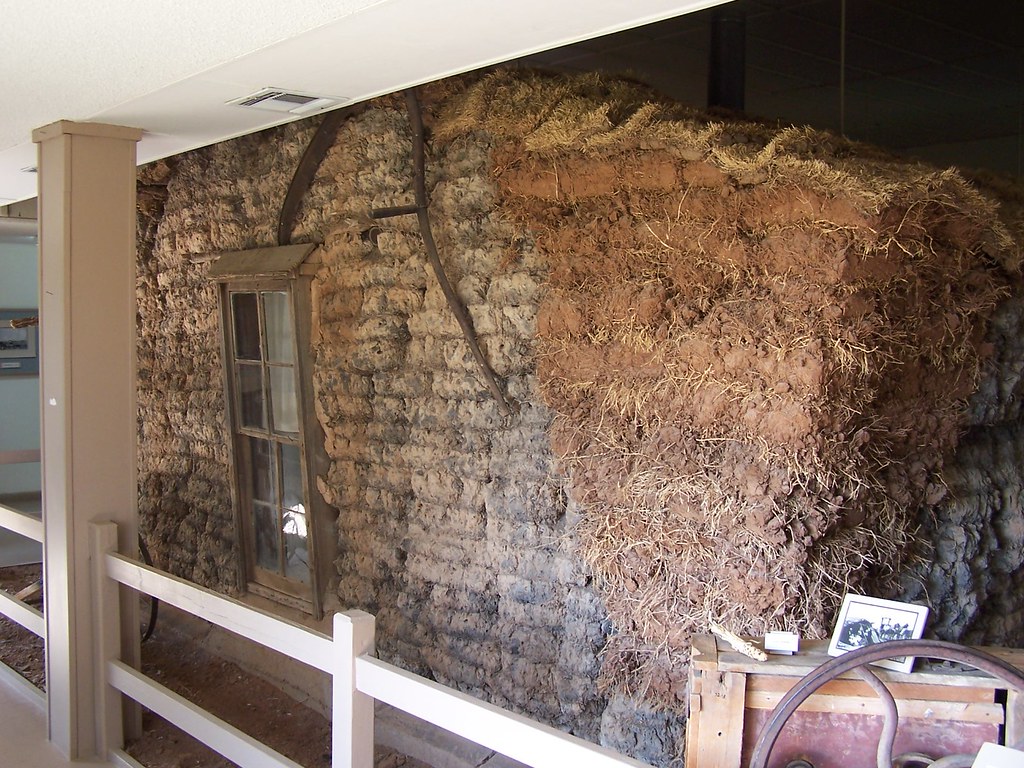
[{"x": 287, "y": 268}]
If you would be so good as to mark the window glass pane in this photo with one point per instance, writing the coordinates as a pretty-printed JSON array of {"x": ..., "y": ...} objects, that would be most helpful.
[
  {"x": 250, "y": 396},
  {"x": 264, "y": 473},
  {"x": 267, "y": 537},
  {"x": 296, "y": 547},
  {"x": 279, "y": 327},
  {"x": 291, "y": 478},
  {"x": 282, "y": 398},
  {"x": 263, "y": 341},
  {"x": 245, "y": 311}
]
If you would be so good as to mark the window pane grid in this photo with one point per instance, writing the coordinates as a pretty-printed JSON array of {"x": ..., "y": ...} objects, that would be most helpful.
[
  {"x": 279, "y": 521},
  {"x": 278, "y": 325},
  {"x": 267, "y": 538},
  {"x": 263, "y": 345},
  {"x": 266, "y": 397},
  {"x": 245, "y": 317},
  {"x": 249, "y": 380}
]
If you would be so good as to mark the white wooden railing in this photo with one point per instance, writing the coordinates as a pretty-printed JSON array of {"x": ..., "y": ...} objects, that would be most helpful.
[
  {"x": 14, "y": 609},
  {"x": 357, "y": 677}
]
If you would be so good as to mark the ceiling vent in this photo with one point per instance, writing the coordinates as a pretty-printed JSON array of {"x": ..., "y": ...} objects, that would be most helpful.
[{"x": 278, "y": 100}]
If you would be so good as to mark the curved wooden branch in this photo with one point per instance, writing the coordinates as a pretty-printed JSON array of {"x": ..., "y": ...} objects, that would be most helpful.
[
  {"x": 306, "y": 170},
  {"x": 422, "y": 213}
]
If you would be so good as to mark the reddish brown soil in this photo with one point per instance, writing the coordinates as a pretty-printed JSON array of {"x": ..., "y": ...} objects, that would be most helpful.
[
  {"x": 175, "y": 661},
  {"x": 758, "y": 344}
]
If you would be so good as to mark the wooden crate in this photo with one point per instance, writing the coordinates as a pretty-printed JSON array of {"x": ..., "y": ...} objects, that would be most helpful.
[{"x": 943, "y": 710}]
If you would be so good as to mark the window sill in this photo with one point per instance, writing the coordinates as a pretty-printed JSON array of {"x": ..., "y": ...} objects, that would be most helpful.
[{"x": 285, "y": 607}]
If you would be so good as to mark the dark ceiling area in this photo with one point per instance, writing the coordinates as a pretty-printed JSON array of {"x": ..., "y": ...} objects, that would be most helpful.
[{"x": 937, "y": 80}]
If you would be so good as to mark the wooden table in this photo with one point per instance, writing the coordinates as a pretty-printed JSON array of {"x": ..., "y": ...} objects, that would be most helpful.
[{"x": 944, "y": 709}]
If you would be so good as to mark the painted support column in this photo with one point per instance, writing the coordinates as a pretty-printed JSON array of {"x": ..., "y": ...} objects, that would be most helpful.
[{"x": 87, "y": 382}]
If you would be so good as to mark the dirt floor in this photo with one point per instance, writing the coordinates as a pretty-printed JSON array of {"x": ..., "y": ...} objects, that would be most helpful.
[
  {"x": 21, "y": 650},
  {"x": 172, "y": 659}
]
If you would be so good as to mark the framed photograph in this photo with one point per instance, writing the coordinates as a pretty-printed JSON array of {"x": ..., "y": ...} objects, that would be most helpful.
[
  {"x": 19, "y": 344},
  {"x": 866, "y": 620}
]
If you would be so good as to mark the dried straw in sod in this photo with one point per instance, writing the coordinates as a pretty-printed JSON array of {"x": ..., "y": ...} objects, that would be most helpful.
[{"x": 758, "y": 343}]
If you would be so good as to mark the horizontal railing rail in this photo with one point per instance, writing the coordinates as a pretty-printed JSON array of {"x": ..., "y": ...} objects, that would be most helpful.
[
  {"x": 281, "y": 635},
  {"x": 14, "y": 609},
  {"x": 358, "y": 680},
  {"x": 29, "y": 526},
  {"x": 22, "y": 613},
  {"x": 232, "y": 743},
  {"x": 511, "y": 734}
]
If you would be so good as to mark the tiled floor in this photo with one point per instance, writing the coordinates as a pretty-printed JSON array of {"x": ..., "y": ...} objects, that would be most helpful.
[{"x": 23, "y": 741}]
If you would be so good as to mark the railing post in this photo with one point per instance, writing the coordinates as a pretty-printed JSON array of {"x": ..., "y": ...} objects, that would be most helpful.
[
  {"x": 352, "y": 719},
  {"x": 107, "y": 627}
]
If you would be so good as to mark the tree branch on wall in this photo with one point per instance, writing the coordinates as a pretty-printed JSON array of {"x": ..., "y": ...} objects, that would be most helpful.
[{"x": 420, "y": 208}]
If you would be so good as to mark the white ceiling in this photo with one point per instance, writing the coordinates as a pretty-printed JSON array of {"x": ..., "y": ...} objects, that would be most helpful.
[{"x": 170, "y": 67}]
